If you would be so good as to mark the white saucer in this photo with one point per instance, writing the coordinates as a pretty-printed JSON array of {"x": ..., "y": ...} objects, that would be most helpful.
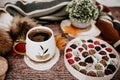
[
  {"x": 45, "y": 65},
  {"x": 93, "y": 32}
]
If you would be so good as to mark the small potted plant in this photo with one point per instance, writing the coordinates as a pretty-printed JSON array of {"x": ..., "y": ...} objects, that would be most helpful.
[{"x": 82, "y": 12}]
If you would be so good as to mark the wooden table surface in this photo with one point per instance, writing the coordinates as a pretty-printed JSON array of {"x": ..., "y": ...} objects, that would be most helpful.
[{"x": 18, "y": 70}]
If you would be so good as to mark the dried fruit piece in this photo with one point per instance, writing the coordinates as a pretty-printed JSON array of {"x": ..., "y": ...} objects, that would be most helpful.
[
  {"x": 90, "y": 41},
  {"x": 75, "y": 66},
  {"x": 83, "y": 71},
  {"x": 108, "y": 71},
  {"x": 105, "y": 58},
  {"x": 89, "y": 60},
  {"x": 91, "y": 52},
  {"x": 102, "y": 52},
  {"x": 80, "y": 49},
  {"x": 68, "y": 50},
  {"x": 91, "y": 46},
  {"x": 74, "y": 46},
  {"x": 77, "y": 59},
  {"x": 98, "y": 67},
  {"x": 92, "y": 73},
  {"x": 112, "y": 55},
  {"x": 103, "y": 45},
  {"x": 71, "y": 61},
  {"x": 85, "y": 54},
  {"x": 111, "y": 67},
  {"x": 68, "y": 55},
  {"x": 108, "y": 49},
  {"x": 100, "y": 73},
  {"x": 103, "y": 62},
  {"x": 82, "y": 64},
  {"x": 96, "y": 42},
  {"x": 85, "y": 46},
  {"x": 97, "y": 48}
]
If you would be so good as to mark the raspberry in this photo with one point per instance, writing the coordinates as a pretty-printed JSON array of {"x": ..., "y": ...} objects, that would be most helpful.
[
  {"x": 68, "y": 50},
  {"x": 80, "y": 49},
  {"x": 68, "y": 55},
  {"x": 71, "y": 61},
  {"x": 109, "y": 49},
  {"x": 91, "y": 46},
  {"x": 97, "y": 43},
  {"x": 20, "y": 47}
]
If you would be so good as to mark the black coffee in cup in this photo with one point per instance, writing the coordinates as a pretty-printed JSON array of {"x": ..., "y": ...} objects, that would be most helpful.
[{"x": 39, "y": 35}]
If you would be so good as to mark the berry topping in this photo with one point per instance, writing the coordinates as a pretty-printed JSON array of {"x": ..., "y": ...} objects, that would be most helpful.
[
  {"x": 68, "y": 55},
  {"x": 109, "y": 49},
  {"x": 91, "y": 46},
  {"x": 97, "y": 43},
  {"x": 80, "y": 49},
  {"x": 68, "y": 50},
  {"x": 71, "y": 61}
]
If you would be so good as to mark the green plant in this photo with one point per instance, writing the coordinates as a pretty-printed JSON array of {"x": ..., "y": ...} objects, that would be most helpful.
[{"x": 82, "y": 10}]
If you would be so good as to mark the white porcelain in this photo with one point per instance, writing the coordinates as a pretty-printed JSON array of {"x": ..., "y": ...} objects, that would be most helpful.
[
  {"x": 80, "y": 25},
  {"x": 35, "y": 50},
  {"x": 43, "y": 65}
]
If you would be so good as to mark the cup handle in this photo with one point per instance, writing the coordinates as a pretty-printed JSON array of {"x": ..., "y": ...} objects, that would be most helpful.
[{"x": 19, "y": 47}]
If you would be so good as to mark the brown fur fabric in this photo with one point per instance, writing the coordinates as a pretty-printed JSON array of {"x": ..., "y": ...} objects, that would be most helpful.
[
  {"x": 5, "y": 42},
  {"x": 108, "y": 31},
  {"x": 20, "y": 26}
]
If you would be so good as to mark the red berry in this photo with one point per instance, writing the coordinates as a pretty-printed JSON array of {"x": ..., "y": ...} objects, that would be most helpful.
[
  {"x": 71, "y": 61},
  {"x": 20, "y": 47},
  {"x": 109, "y": 49},
  {"x": 68, "y": 50},
  {"x": 68, "y": 55},
  {"x": 80, "y": 49},
  {"x": 91, "y": 46},
  {"x": 97, "y": 43}
]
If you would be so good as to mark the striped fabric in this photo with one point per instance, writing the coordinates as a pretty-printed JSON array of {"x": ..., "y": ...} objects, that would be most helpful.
[{"x": 41, "y": 11}]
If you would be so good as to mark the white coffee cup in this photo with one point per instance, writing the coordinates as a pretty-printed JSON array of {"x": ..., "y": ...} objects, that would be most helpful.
[{"x": 40, "y": 44}]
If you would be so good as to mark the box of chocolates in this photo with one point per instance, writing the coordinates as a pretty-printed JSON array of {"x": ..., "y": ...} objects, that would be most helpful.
[{"x": 89, "y": 58}]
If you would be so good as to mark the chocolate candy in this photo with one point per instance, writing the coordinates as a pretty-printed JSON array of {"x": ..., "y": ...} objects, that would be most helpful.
[
  {"x": 103, "y": 45},
  {"x": 112, "y": 55},
  {"x": 91, "y": 52},
  {"x": 97, "y": 48},
  {"x": 111, "y": 67},
  {"x": 68, "y": 50},
  {"x": 105, "y": 58},
  {"x": 85, "y": 54},
  {"x": 83, "y": 71},
  {"x": 102, "y": 52},
  {"x": 103, "y": 62},
  {"x": 108, "y": 71},
  {"x": 100, "y": 73},
  {"x": 75, "y": 66},
  {"x": 98, "y": 67},
  {"x": 68, "y": 55},
  {"x": 89, "y": 60},
  {"x": 74, "y": 46},
  {"x": 77, "y": 58},
  {"x": 92, "y": 73},
  {"x": 82, "y": 63},
  {"x": 80, "y": 49},
  {"x": 90, "y": 41},
  {"x": 85, "y": 46}
]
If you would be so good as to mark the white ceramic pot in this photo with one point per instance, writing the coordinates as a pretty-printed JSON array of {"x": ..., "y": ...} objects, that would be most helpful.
[{"x": 80, "y": 25}]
